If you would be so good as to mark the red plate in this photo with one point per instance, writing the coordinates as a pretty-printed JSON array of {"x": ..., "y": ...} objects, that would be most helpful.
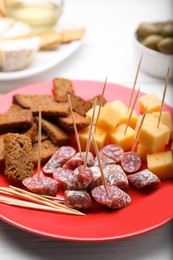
[{"x": 148, "y": 210}]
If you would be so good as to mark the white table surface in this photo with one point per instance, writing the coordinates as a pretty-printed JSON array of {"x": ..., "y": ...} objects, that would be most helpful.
[{"x": 107, "y": 50}]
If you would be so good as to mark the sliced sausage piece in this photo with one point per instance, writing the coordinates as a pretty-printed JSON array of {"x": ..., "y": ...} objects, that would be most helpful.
[
  {"x": 97, "y": 178},
  {"x": 115, "y": 175},
  {"x": 143, "y": 179},
  {"x": 130, "y": 162},
  {"x": 44, "y": 186},
  {"x": 80, "y": 179},
  {"x": 115, "y": 199},
  {"x": 78, "y": 160},
  {"x": 104, "y": 160},
  {"x": 113, "y": 151},
  {"x": 61, "y": 175},
  {"x": 62, "y": 155},
  {"x": 77, "y": 199}
]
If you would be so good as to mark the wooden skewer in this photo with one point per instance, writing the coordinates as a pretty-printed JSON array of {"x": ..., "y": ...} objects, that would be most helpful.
[
  {"x": 10, "y": 191},
  {"x": 39, "y": 144},
  {"x": 42, "y": 198},
  {"x": 89, "y": 135},
  {"x": 138, "y": 132},
  {"x": 100, "y": 105},
  {"x": 136, "y": 77},
  {"x": 128, "y": 122},
  {"x": 99, "y": 162},
  {"x": 74, "y": 125},
  {"x": 52, "y": 198},
  {"x": 31, "y": 205},
  {"x": 163, "y": 98}
]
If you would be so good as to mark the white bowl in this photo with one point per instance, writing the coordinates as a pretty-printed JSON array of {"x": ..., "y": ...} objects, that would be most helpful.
[{"x": 153, "y": 62}]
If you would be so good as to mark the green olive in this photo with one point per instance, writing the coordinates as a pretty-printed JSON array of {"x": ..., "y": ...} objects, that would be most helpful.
[
  {"x": 167, "y": 30},
  {"x": 146, "y": 29},
  {"x": 152, "y": 41},
  {"x": 166, "y": 45}
]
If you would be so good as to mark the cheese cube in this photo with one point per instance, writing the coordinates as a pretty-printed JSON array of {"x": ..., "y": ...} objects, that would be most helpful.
[
  {"x": 100, "y": 138},
  {"x": 154, "y": 137},
  {"x": 165, "y": 119},
  {"x": 149, "y": 119},
  {"x": 143, "y": 151},
  {"x": 124, "y": 140},
  {"x": 161, "y": 164},
  {"x": 109, "y": 117},
  {"x": 124, "y": 113},
  {"x": 89, "y": 113},
  {"x": 150, "y": 101}
]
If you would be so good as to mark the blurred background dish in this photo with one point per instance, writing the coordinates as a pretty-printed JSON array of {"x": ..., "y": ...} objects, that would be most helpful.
[
  {"x": 41, "y": 15},
  {"x": 155, "y": 41}
]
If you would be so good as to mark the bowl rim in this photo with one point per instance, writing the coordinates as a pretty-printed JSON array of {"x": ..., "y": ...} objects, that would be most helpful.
[{"x": 150, "y": 51}]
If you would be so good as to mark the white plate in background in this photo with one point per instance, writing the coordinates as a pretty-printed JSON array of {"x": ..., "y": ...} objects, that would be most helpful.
[{"x": 45, "y": 60}]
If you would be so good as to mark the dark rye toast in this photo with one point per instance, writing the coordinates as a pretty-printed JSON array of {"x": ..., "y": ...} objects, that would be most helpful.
[
  {"x": 47, "y": 150},
  {"x": 18, "y": 157},
  {"x": 99, "y": 99},
  {"x": 62, "y": 88},
  {"x": 80, "y": 105},
  {"x": 66, "y": 123},
  {"x": 15, "y": 120},
  {"x": 49, "y": 107},
  {"x": 54, "y": 132}
]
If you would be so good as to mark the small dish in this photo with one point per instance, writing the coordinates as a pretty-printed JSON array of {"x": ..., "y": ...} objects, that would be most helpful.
[{"x": 154, "y": 63}]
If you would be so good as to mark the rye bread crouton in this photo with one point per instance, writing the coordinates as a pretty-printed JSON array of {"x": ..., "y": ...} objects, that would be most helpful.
[
  {"x": 15, "y": 120},
  {"x": 47, "y": 150},
  {"x": 62, "y": 88},
  {"x": 66, "y": 123},
  {"x": 18, "y": 157},
  {"x": 98, "y": 100},
  {"x": 80, "y": 105},
  {"x": 54, "y": 132},
  {"x": 49, "y": 107}
]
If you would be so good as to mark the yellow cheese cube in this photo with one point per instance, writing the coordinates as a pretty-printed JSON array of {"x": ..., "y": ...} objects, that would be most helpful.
[
  {"x": 149, "y": 119},
  {"x": 119, "y": 105},
  {"x": 124, "y": 140},
  {"x": 166, "y": 120},
  {"x": 100, "y": 138},
  {"x": 124, "y": 113},
  {"x": 150, "y": 101},
  {"x": 109, "y": 117},
  {"x": 89, "y": 113},
  {"x": 154, "y": 137},
  {"x": 161, "y": 164},
  {"x": 143, "y": 151}
]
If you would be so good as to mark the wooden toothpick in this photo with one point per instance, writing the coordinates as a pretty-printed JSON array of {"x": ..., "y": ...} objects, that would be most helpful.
[
  {"x": 39, "y": 144},
  {"x": 128, "y": 122},
  {"x": 99, "y": 162},
  {"x": 74, "y": 125},
  {"x": 100, "y": 105},
  {"x": 89, "y": 135},
  {"x": 134, "y": 85},
  {"x": 163, "y": 98},
  {"x": 138, "y": 132}
]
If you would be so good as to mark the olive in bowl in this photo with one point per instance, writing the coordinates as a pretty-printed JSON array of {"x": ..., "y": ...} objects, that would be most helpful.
[{"x": 155, "y": 42}]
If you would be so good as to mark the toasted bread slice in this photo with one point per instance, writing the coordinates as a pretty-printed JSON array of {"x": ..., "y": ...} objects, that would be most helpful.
[
  {"x": 80, "y": 105},
  {"x": 49, "y": 107},
  {"x": 18, "y": 157},
  {"x": 67, "y": 123},
  {"x": 47, "y": 150},
  {"x": 62, "y": 87},
  {"x": 55, "y": 133},
  {"x": 99, "y": 97},
  {"x": 16, "y": 120}
]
